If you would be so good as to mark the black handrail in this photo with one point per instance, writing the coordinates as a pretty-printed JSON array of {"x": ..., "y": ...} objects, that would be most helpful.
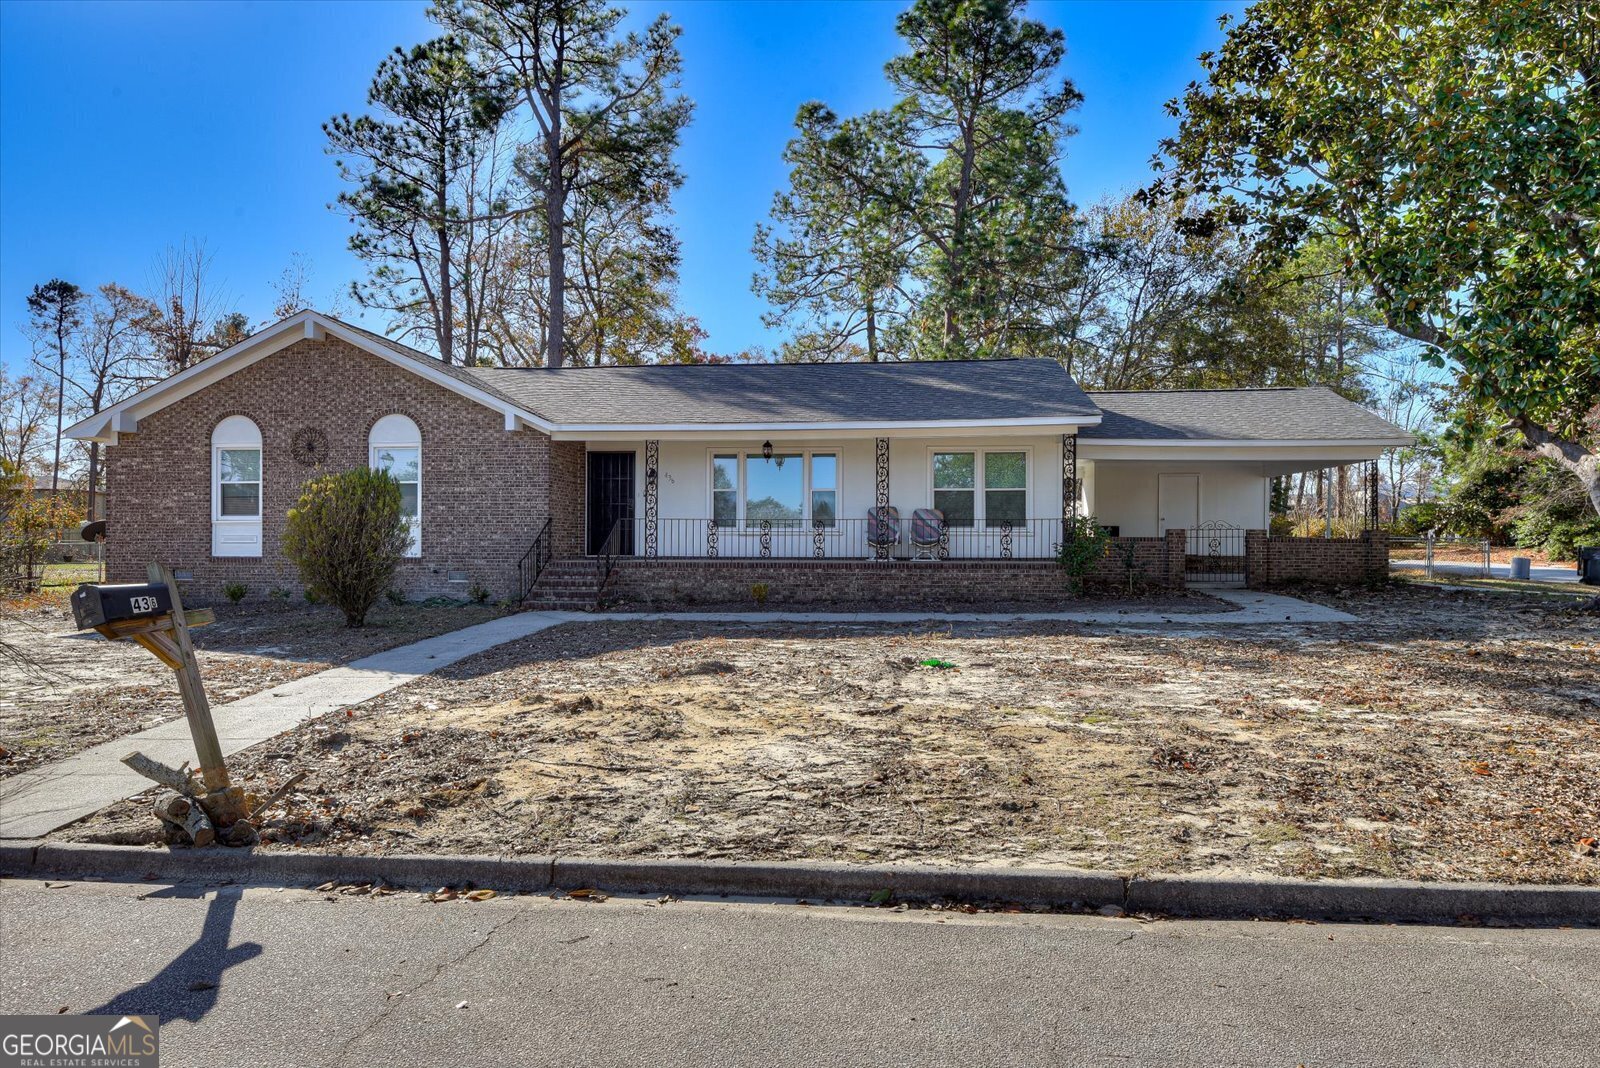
[
  {"x": 606, "y": 555},
  {"x": 533, "y": 561}
]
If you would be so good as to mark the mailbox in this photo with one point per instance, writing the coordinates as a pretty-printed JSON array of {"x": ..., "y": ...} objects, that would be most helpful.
[{"x": 93, "y": 605}]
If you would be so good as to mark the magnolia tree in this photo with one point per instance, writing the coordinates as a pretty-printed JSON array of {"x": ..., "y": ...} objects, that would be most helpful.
[{"x": 1451, "y": 154}]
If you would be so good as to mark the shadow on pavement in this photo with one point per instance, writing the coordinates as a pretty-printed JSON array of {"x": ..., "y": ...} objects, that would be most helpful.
[{"x": 186, "y": 989}]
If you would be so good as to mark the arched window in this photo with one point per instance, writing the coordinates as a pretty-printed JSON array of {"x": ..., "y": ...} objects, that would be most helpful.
[
  {"x": 396, "y": 447},
  {"x": 236, "y": 488}
]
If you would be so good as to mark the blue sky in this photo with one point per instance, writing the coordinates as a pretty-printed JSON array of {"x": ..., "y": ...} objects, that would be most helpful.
[{"x": 128, "y": 126}]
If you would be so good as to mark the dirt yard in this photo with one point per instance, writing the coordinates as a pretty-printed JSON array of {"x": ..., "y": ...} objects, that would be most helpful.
[
  {"x": 71, "y": 691},
  {"x": 1449, "y": 735}
]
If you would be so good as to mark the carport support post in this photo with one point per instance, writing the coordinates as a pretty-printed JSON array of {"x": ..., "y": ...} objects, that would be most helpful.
[{"x": 195, "y": 706}]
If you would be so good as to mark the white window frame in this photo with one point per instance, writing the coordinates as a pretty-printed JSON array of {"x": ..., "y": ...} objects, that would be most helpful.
[
  {"x": 237, "y": 536},
  {"x": 980, "y": 509},
  {"x": 742, "y": 454},
  {"x": 390, "y": 432}
]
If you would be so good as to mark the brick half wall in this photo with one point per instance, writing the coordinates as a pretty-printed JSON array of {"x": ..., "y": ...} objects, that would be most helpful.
[
  {"x": 886, "y": 585},
  {"x": 1275, "y": 561}
]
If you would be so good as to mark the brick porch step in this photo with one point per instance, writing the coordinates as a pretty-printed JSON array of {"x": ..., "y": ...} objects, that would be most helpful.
[{"x": 567, "y": 585}]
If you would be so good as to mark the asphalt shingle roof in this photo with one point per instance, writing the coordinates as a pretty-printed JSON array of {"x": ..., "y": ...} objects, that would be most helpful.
[
  {"x": 1310, "y": 413},
  {"x": 779, "y": 393}
]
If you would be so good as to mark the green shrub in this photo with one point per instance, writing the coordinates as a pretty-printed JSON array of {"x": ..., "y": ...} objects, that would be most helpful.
[
  {"x": 759, "y": 591},
  {"x": 1086, "y": 542},
  {"x": 347, "y": 535},
  {"x": 1558, "y": 538},
  {"x": 279, "y": 594},
  {"x": 478, "y": 592},
  {"x": 1417, "y": 519},
  {"x": 235, "y": 591},
  {"x": 395, "y": 596}
]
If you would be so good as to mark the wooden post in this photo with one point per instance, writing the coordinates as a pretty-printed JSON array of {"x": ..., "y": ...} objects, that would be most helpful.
[{"x": 213, "y": 772}]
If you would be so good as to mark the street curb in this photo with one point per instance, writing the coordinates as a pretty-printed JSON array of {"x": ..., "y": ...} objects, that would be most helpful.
[
  {"x": 1352, "y": 899},
  {"x": 1175, "y": 895}
]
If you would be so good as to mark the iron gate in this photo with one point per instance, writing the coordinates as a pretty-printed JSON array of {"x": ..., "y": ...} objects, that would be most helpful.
[{"x": 1215, "y": 555}]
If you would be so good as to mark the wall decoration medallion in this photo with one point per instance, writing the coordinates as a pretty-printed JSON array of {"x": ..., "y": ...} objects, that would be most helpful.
[{"x": 309, "y": 446}]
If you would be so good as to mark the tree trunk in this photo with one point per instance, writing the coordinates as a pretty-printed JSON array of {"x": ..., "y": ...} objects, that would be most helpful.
[
  {"x": 872, "y": 332},
  {"x": 1581, "y": 460},
  {"x": 61, "y": 406},
  {"x": 555, "y": 225}
]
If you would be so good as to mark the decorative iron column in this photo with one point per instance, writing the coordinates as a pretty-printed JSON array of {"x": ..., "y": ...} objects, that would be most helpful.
[
  {"x": 1374, "y": 514},
  {"x": 652, "y": 495},
  {"x": 1069, "y": 486},
  {"x": 881, "y": 497}
]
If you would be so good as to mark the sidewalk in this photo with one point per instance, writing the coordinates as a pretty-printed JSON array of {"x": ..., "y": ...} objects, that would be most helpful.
[{"x": 39, "y": 801}]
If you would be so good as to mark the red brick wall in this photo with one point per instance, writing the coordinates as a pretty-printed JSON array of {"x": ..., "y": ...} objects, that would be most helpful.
[
  {"x": 1154, "y": 564},
  {"x": 485, "y": 490},
  {"x": 884, "y": 585},
  {"x": 569, "y": 476},
  {"x": 1276, "y": 561},
  {"x": 887, "y": 585}
]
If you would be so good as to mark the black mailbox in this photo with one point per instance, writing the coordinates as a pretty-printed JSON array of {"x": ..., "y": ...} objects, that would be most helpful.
[{"x": 93, "y": 605}]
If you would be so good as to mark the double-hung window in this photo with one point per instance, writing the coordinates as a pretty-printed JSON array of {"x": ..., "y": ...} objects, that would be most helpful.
[
  {"x": 785, "y": 489},
  {"x": 987, "y": 488},
  {"x": 236, "y": 484}
]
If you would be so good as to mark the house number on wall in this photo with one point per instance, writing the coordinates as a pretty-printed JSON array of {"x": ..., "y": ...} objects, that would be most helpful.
[{"x": 309, "y": 446}]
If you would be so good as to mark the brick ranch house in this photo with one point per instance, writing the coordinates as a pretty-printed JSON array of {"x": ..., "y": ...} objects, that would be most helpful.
[{"x": 697, "y": 483}]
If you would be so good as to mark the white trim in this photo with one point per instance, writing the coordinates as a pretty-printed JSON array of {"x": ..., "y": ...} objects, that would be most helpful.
[
  {"x": 123, "y": 416},
  {"x": 237, "y": 536},
  {"x": 980, "y": 510},
  {"x": 1247, "y": 443},
  {"x": 741, "y": 453},
  {"x": 392, "y": 440},
  {"x": 565, "y": 430}
]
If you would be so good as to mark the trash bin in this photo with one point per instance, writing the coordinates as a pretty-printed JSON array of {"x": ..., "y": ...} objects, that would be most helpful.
[
  {"x": 1522, "y": 567},
  {"x": 1589, "y": 565}
]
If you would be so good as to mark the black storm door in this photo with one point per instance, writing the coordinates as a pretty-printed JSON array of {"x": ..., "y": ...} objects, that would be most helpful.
[{"x": 611, "y": 499}]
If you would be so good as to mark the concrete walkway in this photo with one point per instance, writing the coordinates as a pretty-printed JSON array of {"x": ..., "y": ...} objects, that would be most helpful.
[{"x": 39, "y": 801}]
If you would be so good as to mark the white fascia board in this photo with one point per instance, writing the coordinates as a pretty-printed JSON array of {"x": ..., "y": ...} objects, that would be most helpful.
[
  {"x": 1248, "y": 443},
  {"x": 617, "y": 432},
  {"x": 124, "y": 415}
]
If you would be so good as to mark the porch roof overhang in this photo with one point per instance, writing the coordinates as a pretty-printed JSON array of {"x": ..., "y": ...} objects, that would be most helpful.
[
  {"x": 1284, "y": 457},
  {"x": 819, "y": 431}
]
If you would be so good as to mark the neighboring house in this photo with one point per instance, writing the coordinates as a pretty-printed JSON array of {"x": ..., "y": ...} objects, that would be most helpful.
[{"x": 703, "y": 480}]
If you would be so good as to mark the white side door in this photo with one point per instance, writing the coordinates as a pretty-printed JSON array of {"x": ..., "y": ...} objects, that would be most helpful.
[{"x": 1177, "y": 502}]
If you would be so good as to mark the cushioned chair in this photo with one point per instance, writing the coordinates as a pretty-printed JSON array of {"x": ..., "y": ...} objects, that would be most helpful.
[
  {"x": 927, "y": 531},
  {"x": 883, "y": 530}
]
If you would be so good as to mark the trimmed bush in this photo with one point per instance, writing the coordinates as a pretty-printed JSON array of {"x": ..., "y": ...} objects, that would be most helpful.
[
  {"x": 347, "y": 535},
  {"x": 235, "y": 591}
]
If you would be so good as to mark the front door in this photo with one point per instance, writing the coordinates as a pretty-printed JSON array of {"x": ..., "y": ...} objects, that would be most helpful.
[
  {"x": 610, "y": 499},
  {"x": 1177, "y": 502}
]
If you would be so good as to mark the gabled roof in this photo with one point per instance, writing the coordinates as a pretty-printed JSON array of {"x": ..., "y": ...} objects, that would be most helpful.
[
  {"x": 798, "y": 395},
  {"x": 1287, "y": 415},
  {"x": 123, "y": 416}
]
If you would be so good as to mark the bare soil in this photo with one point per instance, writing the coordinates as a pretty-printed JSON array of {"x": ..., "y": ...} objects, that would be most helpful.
[
  {"x": 1449, "y": 735},
  {"x": 74, "y": 690}
]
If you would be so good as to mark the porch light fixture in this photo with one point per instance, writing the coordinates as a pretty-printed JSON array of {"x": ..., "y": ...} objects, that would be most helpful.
[{"x": 766, "y": 450}]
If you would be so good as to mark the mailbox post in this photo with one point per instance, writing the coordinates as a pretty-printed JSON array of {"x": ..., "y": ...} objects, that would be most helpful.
[{"x": 153, "y": 615}]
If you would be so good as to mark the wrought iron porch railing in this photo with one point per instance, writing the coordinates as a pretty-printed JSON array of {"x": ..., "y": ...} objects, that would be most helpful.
[
  {"x": 847, "y": 539},
  {"x": 533, "y": 561},
  {"x": 605, "y": 558}
]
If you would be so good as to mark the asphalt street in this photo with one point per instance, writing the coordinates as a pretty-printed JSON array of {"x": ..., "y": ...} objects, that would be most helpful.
[{"x": 265, "y": 977}]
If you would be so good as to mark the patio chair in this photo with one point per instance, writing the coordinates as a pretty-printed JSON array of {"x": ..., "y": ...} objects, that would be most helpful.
[
  {"x": 883, "y": 530},
  {"x": 927, "y": 531}
]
